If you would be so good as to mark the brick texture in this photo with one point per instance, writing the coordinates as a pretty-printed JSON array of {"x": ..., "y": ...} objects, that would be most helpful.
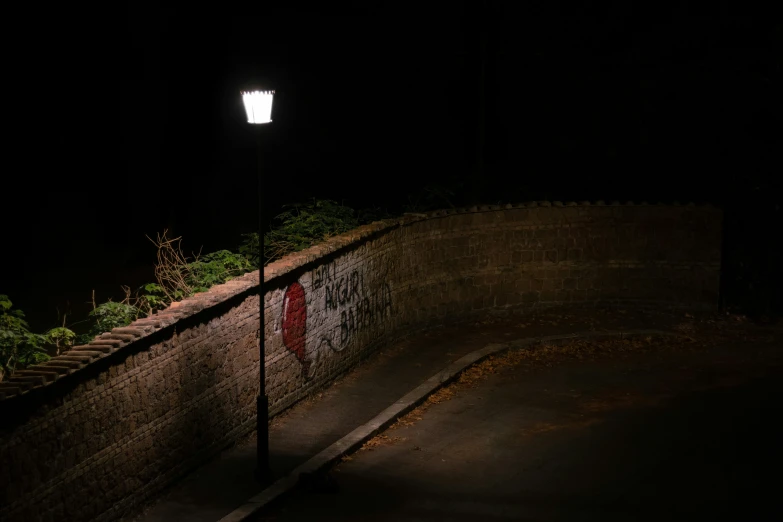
[{"x": 96, "y": 432}]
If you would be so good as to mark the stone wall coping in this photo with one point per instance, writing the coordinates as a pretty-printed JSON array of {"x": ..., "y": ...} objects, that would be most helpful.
[{"x": 77, "y": 358}]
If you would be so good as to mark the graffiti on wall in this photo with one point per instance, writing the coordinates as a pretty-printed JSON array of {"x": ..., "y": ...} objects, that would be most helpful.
[
  {"x": 368, "y": 309},
  {"x": 357, "y": 305},
  {"x": 294, "y": 324}
]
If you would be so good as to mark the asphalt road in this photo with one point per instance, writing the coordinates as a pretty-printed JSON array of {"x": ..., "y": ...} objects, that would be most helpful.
[{"x": 661, "y": 436}]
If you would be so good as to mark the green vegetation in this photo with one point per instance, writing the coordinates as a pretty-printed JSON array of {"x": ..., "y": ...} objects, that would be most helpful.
[
  {"x": 305, "y": 224},
  {"x": 178, "y": 276},
  {"x": 302, "y": 225},
  {"x": 18, "y": 346},
  {"x": 61, "y": 338},
  {"x": 109, "y": 315}
]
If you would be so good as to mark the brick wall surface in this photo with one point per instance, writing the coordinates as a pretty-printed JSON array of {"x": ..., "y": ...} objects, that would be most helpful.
[{"x": 95, "y": 432}]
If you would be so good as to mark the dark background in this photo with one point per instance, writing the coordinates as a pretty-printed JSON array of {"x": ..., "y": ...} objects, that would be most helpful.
[{"x": 128, "y": 121}]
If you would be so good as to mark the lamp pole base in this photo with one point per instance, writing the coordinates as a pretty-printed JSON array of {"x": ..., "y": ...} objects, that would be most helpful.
[{"x": 263, "y": 472}]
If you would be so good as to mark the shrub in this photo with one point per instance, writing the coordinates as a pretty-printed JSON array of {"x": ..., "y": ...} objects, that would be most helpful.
[
  {"x": 61, "y": 338},
  {"x": 304, "y": 224},
  {"x": 109, "y": 315},
  {"x": 215, "y": 268},
  {"x": 153, "y": 298},
  {"x": 18, "y": 346}
]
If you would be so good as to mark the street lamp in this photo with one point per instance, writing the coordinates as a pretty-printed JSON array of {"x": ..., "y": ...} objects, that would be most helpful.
[{"x": 258, "y": 105}]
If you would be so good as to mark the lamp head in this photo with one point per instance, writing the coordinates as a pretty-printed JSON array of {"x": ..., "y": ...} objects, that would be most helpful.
[{"x": 258, "y": 105}]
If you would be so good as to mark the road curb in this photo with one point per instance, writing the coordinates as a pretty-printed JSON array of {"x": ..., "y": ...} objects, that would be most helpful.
[{"x": 354, "y": 440}]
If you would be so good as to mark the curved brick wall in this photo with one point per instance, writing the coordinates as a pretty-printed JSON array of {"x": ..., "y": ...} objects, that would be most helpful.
[{"x": 94, "y": 432}]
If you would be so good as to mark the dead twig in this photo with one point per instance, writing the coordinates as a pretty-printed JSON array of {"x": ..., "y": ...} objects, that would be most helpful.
[{"x": 171, "y": 270}]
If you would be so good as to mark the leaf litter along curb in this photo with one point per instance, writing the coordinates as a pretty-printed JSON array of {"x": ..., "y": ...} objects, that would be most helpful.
[{"x": 542, "y": 356}]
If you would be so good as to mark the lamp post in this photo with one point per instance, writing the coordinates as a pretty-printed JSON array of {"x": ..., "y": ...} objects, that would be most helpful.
[{"x": 258, "y": 105}]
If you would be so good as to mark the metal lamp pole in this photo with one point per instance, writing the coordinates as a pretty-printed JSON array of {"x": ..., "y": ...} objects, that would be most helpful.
[{"x": 258, "y": 105}]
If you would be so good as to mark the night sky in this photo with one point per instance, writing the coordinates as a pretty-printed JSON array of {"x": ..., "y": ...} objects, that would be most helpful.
[{"x": 128, "y": 122}]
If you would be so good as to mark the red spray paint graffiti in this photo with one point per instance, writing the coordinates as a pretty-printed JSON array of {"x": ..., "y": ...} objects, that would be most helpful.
[{"x": 295, "y": 323}]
